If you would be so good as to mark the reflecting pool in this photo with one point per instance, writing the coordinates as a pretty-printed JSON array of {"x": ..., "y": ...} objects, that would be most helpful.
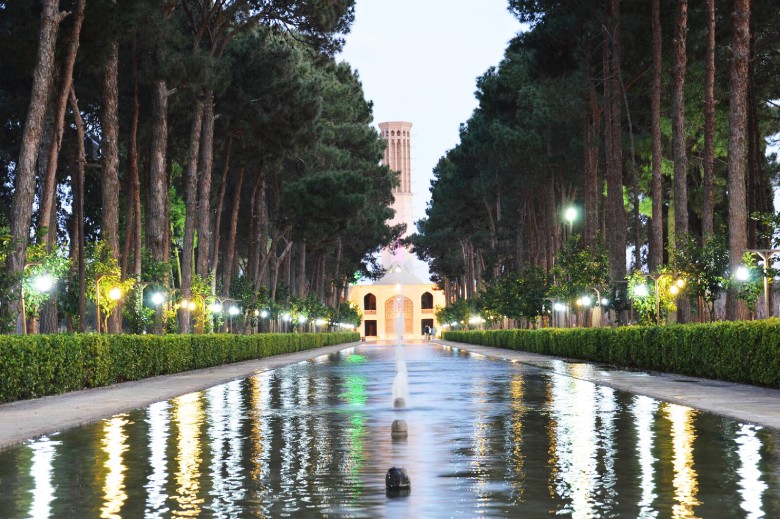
[{"x": 486, "y": 438}]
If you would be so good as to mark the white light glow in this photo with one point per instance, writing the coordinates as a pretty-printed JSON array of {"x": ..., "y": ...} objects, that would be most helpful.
[{"x": 43, "y": 283}]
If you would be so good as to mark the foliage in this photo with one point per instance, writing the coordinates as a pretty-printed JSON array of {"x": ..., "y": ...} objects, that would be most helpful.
[
  {"x": 749, "y": 290},
  {"x": 347, "y": 313},
  {"x": 42, "y": 263},
  {"x": 579, "y": 270},
  {"x": 457, "y": 314},
  {"x": 745, "y": 352},
  {"x": 662, "y": 289},
  {"x": 40, "y": 365},
  {"x": 103, "y": 276},
  {"x": 644, "y": 305},
  {"x": 703, "y": 267}
]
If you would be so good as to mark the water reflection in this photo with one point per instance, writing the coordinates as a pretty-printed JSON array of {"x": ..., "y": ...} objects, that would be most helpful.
[
  {"x": 644, "y": 410},
  {"x": 43, "y": 452},
  {"x": 187, "y": 416},
  {"x": 751, "y": 484},
  {"x": 114, "y": 445},
  {"x": 157, "y": 417},
  {"x": 686, "y": 484},
  {"x": 486, "y": 438}
]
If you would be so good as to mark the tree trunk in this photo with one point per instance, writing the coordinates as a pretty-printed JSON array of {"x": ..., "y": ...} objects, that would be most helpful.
[
  {"x": 708, "y": 206},
  {"x": 48, "y": 314},
  {"x": 218, "y": 217},
  {"x": 204, "y": 198},
  {"x": 738, "y": 81},
  {"x": 110, "y": 178},
  {"x": 678, "y": 122},
  {"x": 679, "y": 151},
  {"x": 191, "y": 204},
  {"x": 592, "y": 131},
  {"x": 24, "y": 184},
  {"x": 231, "y": 247},
  {"x": 759, "y": 186},
  {"x": 79, "y": 195},
  {"x": 49, "y": 191},
  {"x": 133, "y": 211},
  {"x": 301, "y": 273},
  {"x": 616, "y": 242},
  {"x": 158, "y": 179},
  {"x": 657, "y": 224}
]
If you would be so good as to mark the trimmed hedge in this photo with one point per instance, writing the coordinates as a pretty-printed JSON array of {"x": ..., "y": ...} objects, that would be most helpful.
[
  {"x": 39, "y": 365},
  {"x": 747, "y": 352}
]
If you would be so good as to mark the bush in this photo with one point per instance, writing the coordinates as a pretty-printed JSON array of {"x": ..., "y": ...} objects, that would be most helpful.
[
  {"x": 40, "y": 365},
  {"x": 747, "y": 352}
]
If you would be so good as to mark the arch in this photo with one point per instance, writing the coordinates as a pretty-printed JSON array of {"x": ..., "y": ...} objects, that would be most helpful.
[
  {"x": 426, "y": 301},
  {"x": 395, "y": 306},
  {"x": 369, "y": 302}
]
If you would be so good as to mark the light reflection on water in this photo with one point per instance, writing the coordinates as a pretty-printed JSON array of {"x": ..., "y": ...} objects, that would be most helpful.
[{"x": 486, "y": 438}]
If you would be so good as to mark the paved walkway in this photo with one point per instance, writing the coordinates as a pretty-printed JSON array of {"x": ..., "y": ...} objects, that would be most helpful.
[
  {"x": 32, "y": 418},
  {"x": 751, "y": 404}
]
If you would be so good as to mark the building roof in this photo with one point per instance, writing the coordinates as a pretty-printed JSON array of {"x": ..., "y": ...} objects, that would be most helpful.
[{"x": 400, "y": 272}]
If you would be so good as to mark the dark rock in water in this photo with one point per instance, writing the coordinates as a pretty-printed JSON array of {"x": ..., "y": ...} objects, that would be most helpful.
[
  {"x": 397, "y": 482},
  {"x": 399, "y": 402},
  {"x": 399, "y": 429}
]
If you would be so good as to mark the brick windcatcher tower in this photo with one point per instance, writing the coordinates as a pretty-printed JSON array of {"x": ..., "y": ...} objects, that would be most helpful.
[{"x": 398, "y": 157}]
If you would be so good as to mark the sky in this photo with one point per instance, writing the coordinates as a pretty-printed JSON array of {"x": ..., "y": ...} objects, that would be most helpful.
[{"x": 418, "y": 61}]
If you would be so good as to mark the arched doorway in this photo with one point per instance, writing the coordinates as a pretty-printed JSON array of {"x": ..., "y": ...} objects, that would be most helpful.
[{"x": 393, "y": 307}]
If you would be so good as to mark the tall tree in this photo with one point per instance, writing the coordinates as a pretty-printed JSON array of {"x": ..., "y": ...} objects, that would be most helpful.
[
  {"x": 679, "y": 145},
  {"x": 657, "y": 229},
  {"x": 24, "y": 183},
  {"x": 110, "y": 173},
  {"x": 738, "y": 83},
  {"x": 708, "y": 204},
  {"x": 616, "y": 240},
  {"x": 679, "y": 149}
]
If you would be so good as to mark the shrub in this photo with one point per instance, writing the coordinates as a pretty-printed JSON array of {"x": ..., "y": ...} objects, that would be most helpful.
[
  {"x": 747, "y": 352},
  {"x": 39, "y": 365}
]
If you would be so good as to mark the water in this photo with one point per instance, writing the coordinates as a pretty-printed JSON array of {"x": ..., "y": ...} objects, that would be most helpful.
[{"x": 486, "y": 438}]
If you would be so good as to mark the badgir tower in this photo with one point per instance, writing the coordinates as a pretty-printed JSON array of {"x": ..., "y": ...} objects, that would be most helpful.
[{"x": 400, "y": 290}]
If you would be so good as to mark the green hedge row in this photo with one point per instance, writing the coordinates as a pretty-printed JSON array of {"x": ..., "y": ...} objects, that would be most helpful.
[
  {"x": 39, "y": 365},
  {"x": 747, "y": 352}
]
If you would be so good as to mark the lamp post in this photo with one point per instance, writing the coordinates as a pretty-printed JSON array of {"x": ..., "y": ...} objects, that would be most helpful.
[
  {"x": 766, "y": 255},
  {"x": 642, "y": 291},
  {"x": 115, "y": 294},
  {"x": 584, "y": 302},
  {"x": 42, "y": 283},
  {"x": 570, "y": 215},
  {"x": 560, "y": 308},
  {"x": 232, "y": 311}
]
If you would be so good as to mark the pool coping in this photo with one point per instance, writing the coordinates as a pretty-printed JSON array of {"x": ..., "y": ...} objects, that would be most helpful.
[
  {"x": 752, "y": 404},
  {"x": 28, "y": 419}
]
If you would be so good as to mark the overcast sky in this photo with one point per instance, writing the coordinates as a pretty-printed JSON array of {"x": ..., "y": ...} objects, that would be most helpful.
[{"x": 419, "y": 60}]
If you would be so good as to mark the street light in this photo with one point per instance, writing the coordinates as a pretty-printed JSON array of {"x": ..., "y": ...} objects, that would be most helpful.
[
  {"x": 570, "y": 215},
  {"x": 41, "y": 283},
  {"x": 766, "y": 255},
  {"x": 115, "y": 294},
  {"x": 743, "y": 274},
  {"x": 158, "y": 298}
]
